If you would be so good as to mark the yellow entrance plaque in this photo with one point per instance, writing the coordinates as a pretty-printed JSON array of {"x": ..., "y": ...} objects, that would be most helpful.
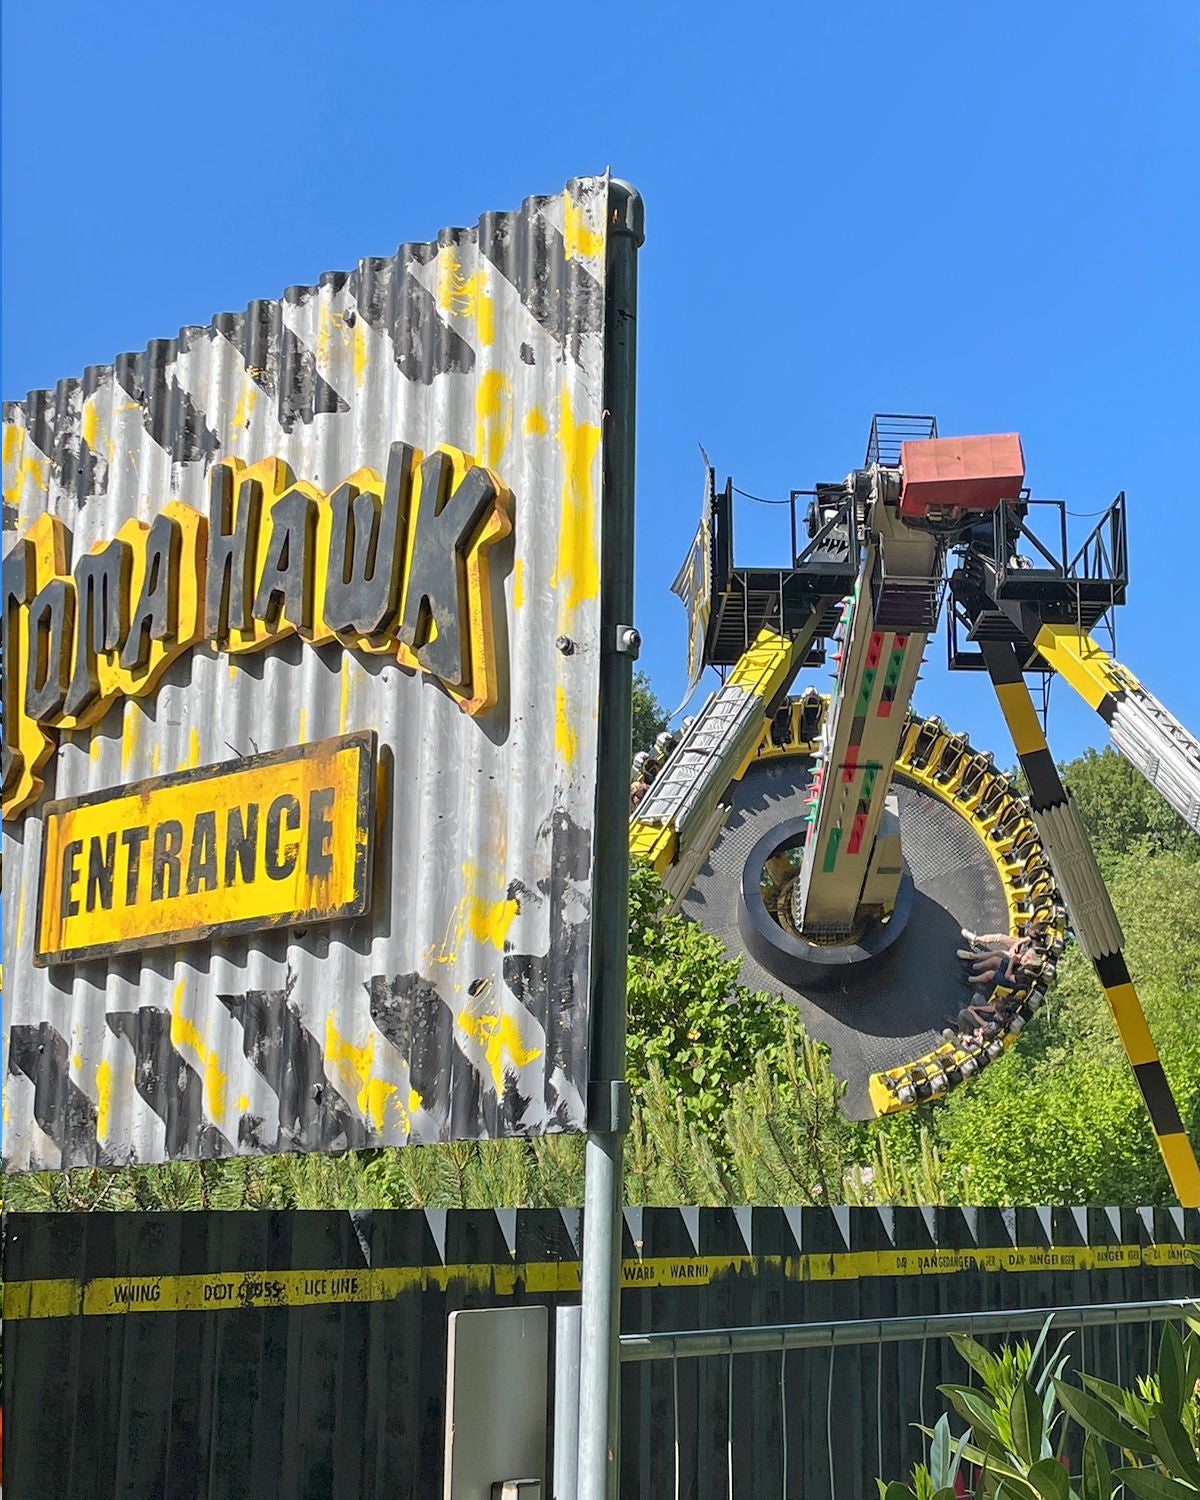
[{"x": 276, "y": 840}]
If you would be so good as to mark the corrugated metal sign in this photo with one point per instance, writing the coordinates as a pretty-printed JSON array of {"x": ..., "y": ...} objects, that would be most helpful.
[{"x": 373, "y": 505}]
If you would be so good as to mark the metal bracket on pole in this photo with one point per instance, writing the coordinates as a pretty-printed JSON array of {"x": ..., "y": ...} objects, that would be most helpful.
[
  {"x": 629, "y": 641},
  {"x": 609, "y": 1106}
]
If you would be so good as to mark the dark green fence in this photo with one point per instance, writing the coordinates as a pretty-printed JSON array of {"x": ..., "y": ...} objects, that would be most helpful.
[{"x": 303, "y": 1354}]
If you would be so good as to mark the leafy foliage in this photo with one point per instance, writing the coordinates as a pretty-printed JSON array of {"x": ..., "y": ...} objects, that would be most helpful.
[
  {"x": 1141, "y": 1442},
  {"x": 649, "y": 715},
  {"x": 1122, "y": 812},
  {"x": 688, "y": 1015}
]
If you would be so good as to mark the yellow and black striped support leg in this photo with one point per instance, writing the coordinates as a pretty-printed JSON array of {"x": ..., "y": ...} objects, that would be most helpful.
[{"x": 1096, "y": 927}]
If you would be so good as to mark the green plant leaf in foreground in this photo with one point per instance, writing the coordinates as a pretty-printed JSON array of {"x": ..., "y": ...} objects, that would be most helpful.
[
  {"x": 1173, "y": 1445},
  {"x": 1025, "y": 1414},
  {"x": 973, "y": 1352},
  {"x": 975, "y": 1407},
  {"x": 1171, "y": 1370},
  {"x": 1149, "y": 1484},
  {"x": 1050, "y": 1479},
  {"x": 1097, "y": 1476},
  {"x": 1094, "y": 1416}
]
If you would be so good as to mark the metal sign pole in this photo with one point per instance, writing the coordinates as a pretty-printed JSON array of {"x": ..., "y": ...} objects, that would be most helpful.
[{"x": 608, "y": 1097}]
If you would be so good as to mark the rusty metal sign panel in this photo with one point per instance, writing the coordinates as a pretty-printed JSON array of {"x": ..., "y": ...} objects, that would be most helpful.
[
  {"x": 270, "y": 841},
  {"x": 370, "y": 507}
]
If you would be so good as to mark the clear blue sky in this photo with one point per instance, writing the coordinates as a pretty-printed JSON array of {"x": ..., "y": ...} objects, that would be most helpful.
[{"x": 986, "y": 212}]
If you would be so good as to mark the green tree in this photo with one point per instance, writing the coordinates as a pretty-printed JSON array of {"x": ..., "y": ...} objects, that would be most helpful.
[
  {"x": 688, "y": 1015},
  {"x": 733, "y": 1102},
  {"x": 649, "y": 715},
  {"x": 1121, "y": 810}
]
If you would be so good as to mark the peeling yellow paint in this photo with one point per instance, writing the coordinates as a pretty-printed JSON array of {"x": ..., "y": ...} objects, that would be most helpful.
[
  {"x": 518, "y": 582},
  {"x": 360, "y": 352},
  {"x": 354, "y": 1065},
  {"x": 446, "y": 952},
  {"x": 89, "y": 422},
  {"x": 578, "y": 238},
  {"x": 131, "y": 730},
  {"x": 185, "y": 1033},
  {"x": 577, "y": 565},
  {"x": 493, "y": 417},
  {"x": 535, "y": 423},
  {"x": 29, "y": 469},
  {"x": 193, "y": 756},
  {"x": 565, "y": 739},
  {"x": 498, "y": 1035},
  {"x": 344, "y": 702},
  {"x": 243, "y": 1103},
  {"x": 324, "y": 332},
  {"x": 414, "y": 1101},
  {"x": 244, "y": 409},
  {"x": 103, "y": 1097},
  {"x": 76, "y": 1061},
  {"x": 489, "y": 920},
  {"x": 465, "y": 296},
  {"x": 302, "y": 737}
]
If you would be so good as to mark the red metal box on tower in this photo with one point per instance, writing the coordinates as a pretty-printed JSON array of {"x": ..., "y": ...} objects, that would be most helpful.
[{"x": 960, "y": 473}]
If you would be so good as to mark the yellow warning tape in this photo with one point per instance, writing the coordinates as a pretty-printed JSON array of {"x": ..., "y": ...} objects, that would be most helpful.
[{"x": 221, "y": 1291}]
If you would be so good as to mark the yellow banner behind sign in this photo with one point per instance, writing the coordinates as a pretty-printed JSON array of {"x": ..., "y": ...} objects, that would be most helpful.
[{"x": 273, "y": 840}]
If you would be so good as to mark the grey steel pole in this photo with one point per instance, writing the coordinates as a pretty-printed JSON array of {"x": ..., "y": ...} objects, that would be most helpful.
[
  {"x": 608, "y": 1095},
  {"x": 566, "y": 1402}
]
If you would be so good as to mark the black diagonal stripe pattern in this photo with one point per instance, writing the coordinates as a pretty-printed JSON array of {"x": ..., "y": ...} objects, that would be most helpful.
[
  {"x": 53, "y": 426},
  {"x": 167, "y": 1082},
  {"x": 553, "y": 986},
  {"x": 524, "y": 247},
  {"x": 303, "y": 393},
  {"x": 169, "y": 414},
  {"x": 60, "y": 1107},
  {"x": 313, "y": 1116},
  {"x": 40, "y": 408},
  {"x": 281, "y": 364},
  {"x": 417, "y": 1022},
  {"x": 91, "y": 470},
  {"x": 393, "y": 301},
  {"x": 560, "y": 294}
]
